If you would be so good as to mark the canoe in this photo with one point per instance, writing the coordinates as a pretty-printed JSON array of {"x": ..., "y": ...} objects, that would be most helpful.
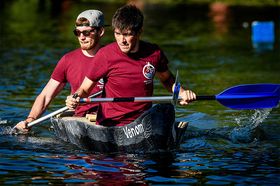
[{"x": 154, "y": 131}]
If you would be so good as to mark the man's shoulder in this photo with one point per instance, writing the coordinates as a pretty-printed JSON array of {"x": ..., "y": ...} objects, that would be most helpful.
[
  {"x": 73, "y": 52},
  {"x": 109, "y": 46},
  {"x": 108, "y": 49},
  {"x": 149, "y": 45},
  {"x": 148, "y": 48},
  {"x": 70, "y": 56}
]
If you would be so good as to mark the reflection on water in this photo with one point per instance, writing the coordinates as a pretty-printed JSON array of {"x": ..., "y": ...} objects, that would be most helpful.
[
  {"x": 209, "y": 45},
  {"x": 217, "y": 166}
]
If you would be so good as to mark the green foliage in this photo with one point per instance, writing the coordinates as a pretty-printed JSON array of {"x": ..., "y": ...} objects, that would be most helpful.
[{"x": 173, "y": 2}]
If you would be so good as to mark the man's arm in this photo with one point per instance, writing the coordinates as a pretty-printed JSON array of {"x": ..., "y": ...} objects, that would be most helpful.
[
  {"x": 41, "y": 103},
  {"x": 82, "y": 92},
  {"x": 168, "y": 81}
]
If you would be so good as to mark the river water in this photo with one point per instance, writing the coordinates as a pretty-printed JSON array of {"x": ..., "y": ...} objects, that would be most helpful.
[{"x": 210, "y": 45}]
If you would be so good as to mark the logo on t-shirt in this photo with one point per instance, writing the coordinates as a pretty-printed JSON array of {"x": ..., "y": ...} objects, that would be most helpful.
[
  {"x": 100, "y": 84},
  {"x": 149, "y": 71}
]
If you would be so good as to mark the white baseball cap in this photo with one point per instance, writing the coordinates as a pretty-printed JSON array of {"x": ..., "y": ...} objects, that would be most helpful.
[{"x": 95, "y": 17}]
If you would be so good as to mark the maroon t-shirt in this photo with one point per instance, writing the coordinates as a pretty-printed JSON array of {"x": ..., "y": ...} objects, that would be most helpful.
[
  {"x": 72, "y": 68},
  {"x": 126, "y": 76}
]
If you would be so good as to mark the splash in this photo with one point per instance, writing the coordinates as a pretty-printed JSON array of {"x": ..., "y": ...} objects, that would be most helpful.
[
  {"x": 248, "y": 129},
  {"x": 255, "y": 120},
  {"x": 6, "y": 130}
]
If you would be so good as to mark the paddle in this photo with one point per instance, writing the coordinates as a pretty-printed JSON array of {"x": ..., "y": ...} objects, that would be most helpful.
[
  {"x": 55, "y": 113},
  {"x": 249, "y": 96},
  {"x": 176, "y": 90}
]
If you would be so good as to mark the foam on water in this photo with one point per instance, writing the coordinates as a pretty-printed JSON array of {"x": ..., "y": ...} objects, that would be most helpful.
[
  {"x": 248, "y": 129},
  {"x": 253, "y": 120},
  {"x": 5, "y": 130}
]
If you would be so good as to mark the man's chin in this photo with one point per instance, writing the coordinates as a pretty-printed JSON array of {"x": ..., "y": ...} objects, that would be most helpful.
[
  {"x": 86, "y": 47},
  {"x": 125, "y": 50}
]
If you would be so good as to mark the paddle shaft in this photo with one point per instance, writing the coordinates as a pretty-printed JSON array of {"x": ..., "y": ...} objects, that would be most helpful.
[
  {"x": 124, "y": 99},
  {"x": 55, "y": 113},
  {"x": 47, "y": 117},
  {"x": 140, "y": 99},
  {"x": 213, "y": 97}
]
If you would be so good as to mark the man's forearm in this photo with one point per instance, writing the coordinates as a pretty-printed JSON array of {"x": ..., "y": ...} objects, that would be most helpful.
[
  {"x": 85, "y": 88},
  {"x": 82, "y": 93},
  {"x": 39, "y": 107},
  {"x": 168, "y": 80}
]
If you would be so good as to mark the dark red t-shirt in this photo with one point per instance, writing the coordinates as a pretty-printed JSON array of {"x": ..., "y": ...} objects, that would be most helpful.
[
  {"x": 126, "y": 76},
  {"x": 72, "y": 68}
]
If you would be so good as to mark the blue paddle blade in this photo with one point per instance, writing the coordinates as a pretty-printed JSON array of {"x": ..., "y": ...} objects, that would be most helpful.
[{"x": 251, "y": 96}]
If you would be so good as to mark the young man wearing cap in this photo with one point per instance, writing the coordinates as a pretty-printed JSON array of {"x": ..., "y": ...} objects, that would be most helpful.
[
  {"x": 128, "y": 67},
  {"x": 89, "y": 29}
]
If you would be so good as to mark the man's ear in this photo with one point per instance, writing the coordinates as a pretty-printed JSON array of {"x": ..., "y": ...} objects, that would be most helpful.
[{"x": 101, "y": 31}]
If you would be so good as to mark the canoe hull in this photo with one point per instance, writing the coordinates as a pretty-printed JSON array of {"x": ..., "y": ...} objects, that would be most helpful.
[{"x": 155, "y": 130}]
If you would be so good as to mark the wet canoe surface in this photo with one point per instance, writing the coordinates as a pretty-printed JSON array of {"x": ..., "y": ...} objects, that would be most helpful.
[{"x": 155, "y": 130}]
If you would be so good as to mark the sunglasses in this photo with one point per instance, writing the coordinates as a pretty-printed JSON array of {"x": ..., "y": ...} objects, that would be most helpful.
[{"x": 85, "y": 32}]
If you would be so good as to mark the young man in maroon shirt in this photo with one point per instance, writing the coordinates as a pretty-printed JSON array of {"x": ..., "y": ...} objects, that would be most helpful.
[
  {"x": 128, "y": 67},
  {"x": 72, "y": 67}
]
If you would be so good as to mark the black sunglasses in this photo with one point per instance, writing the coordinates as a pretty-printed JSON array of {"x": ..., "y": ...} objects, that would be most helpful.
[{"x": 85, "y": 32}]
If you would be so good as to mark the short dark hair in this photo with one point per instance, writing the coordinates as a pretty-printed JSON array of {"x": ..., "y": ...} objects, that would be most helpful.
[{"x": 128, "y": 17}]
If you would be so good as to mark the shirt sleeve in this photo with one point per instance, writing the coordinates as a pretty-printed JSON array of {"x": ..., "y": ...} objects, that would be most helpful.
[
  {"x": 99, "y": 67},
  {"x": 59, "y": 73},
  {"x": 163, "y": 62}
]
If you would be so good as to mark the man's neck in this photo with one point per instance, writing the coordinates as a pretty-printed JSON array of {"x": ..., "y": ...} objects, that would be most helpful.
[
  {"x": 136, "y": 48},
  {"x": 91, "y": 52}
]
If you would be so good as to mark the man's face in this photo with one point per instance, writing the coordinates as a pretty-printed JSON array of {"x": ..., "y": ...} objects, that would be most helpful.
[
  {"x": 127, "y": 40},
  {"x": 88, "y": 37}
]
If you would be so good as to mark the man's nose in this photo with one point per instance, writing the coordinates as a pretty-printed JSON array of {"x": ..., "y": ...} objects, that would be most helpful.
[{"x": 123, "y": 39}]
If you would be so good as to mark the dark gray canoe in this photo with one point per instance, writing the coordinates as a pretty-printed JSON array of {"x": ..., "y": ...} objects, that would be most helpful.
[{"x": 155, "y": 130}]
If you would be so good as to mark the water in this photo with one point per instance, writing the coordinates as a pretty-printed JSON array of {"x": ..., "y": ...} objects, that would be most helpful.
[{"x": 209, "y": 44}]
